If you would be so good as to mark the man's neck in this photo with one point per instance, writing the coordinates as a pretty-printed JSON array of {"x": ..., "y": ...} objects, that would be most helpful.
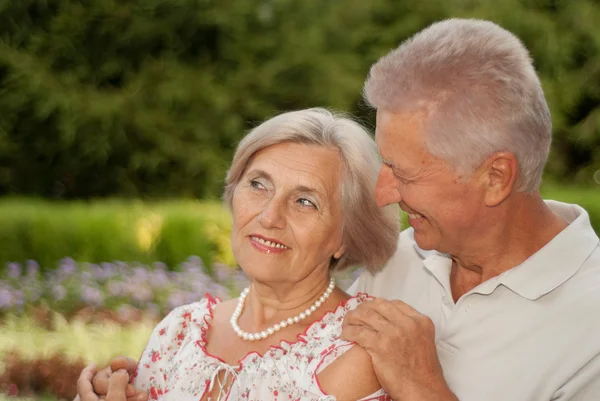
[{"x": 526, "y": 225}]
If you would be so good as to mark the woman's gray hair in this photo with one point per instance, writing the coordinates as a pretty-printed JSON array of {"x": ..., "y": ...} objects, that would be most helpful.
[
  {"x": 477, "y": 84},
  {"x": 370, "y": 233}
]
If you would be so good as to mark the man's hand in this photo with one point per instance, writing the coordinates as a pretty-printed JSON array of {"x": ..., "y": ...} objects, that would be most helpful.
[
  {"x": 401, "y": 343},
  {"x": 110, "y": 384}
]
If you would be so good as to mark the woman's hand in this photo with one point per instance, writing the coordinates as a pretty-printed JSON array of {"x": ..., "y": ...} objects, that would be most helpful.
[{"x": 110, "y": 384}]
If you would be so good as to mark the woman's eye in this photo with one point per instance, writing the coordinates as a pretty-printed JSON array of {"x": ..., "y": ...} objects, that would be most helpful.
[
  {"x": 256, "y": 184},
  {"x": 306, "y": 202}
]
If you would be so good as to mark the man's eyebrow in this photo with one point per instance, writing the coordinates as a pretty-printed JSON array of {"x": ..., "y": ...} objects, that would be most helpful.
[
  {"x": 388, "y": 163},
  {"x": 393, "y": 166}
]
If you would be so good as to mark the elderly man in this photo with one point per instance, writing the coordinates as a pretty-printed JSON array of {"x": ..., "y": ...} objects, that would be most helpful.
[{"x": 494, "y": 293}]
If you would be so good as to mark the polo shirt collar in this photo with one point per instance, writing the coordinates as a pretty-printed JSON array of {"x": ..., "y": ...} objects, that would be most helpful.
[
  {"x": 543, "y": 271},
  {"x": 558, "y": 260}
]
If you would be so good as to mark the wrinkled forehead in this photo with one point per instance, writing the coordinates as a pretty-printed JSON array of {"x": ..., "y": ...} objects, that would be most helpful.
[
  {"x": 301, "y": 166},
  {"x": 401, "y": 135}
]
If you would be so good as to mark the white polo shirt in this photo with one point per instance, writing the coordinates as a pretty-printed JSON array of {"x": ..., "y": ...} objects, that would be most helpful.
[{"x": 532, "y": 333}]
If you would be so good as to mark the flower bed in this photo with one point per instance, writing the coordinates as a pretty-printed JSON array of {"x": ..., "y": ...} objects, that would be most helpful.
[{"x": 74, "y": 287}]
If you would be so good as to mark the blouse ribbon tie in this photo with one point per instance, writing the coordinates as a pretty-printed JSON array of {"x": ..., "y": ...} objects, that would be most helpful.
[{"x": 214, "y": 377}]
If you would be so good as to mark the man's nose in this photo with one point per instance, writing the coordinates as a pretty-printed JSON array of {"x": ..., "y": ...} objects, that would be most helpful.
[
  {"x": 386, "y": 189},
  {"x": 272, "y": 215}
]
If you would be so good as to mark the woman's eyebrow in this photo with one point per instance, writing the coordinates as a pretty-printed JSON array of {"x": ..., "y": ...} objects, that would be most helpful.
[{"x": 261, "y": 173}]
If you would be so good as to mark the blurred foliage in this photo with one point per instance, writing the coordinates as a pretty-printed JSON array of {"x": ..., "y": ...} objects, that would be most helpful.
[
  {"x": 149, "y": 98},
  {"x": 112, "y": 230},
  {"x": 23, "y": 334}
]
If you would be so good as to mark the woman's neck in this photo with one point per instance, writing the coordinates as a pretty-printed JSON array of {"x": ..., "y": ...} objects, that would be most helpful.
[{"x": 270, "y": 303}]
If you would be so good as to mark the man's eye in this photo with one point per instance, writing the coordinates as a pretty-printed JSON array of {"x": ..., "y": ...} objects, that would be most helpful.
[
  {"x": 402, "y": 180},
  {"x": 306, "y": 202}
]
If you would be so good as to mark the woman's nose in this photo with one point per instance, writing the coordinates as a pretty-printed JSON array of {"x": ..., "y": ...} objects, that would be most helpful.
[
  {"x": 272, "y": 215},
  {"x": 386, "y": 189}
]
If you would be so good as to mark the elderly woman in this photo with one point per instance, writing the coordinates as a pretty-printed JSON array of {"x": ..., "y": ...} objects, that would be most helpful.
[{"x": 300, "y": 190}]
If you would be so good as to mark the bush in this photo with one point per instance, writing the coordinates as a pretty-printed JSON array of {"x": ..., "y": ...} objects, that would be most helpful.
[{"x": 104, "y": 231}]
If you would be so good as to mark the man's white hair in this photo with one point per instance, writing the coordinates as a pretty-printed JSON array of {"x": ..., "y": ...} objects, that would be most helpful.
[{"x": 477, "y": 84}]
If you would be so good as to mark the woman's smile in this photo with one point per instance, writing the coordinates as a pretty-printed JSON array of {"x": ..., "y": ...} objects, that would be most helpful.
[{"x": 267, "y": 245}]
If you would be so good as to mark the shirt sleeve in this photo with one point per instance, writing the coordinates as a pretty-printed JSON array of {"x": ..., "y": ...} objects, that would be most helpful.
[
  {"x": 584, "y": 386},
  {"x": 154, "y": 366}
]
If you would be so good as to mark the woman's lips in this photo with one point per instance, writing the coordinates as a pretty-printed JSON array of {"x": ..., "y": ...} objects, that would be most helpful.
[{"x": 267, "y": 245}]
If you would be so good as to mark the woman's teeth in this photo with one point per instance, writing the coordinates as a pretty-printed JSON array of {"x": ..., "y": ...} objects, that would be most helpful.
[
  {"x": 269, "y": 243},
  {"x": 413, "y": 215}
]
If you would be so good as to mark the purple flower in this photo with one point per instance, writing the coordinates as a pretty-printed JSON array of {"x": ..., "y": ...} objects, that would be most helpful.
[
  {"x": 115, "y": 288},
  {"x": 14, "y": 270},
  {"x": 59, "y": 292},
  {"x": 140, "y": 274},
  {"x": 219, "y": 291},
  {"x": 109, "y": 270},
  {"x": 67, "y": 267},
  {"x": 5, "y": 298},
  {"x": 92, "y": 296},
  {"x": 86, "y": 276},
  {"x": 176, "y": 299},
  {"x": 222, "y": 272},
  {"x": 33, "y": 268},
  {"x": 240, "y": 281},
  {"x": 141, "y": 294},
  {"x": 98, "y": 273},
  {"x": 159, "y": 278},
  {"x": 18, "y": 298}
]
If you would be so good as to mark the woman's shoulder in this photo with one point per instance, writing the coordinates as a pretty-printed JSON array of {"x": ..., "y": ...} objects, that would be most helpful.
[
  {"x": 184, "y": 317},
  {"x": 331, "y": 323}
]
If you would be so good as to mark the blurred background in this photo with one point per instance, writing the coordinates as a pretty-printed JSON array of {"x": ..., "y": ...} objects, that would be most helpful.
[{"x": 118, "y": 120}]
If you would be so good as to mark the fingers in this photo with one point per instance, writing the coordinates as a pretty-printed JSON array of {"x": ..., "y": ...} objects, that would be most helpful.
[
  {"x": 364, "y": 336},
  {"x": 85, "y": 390},
  {"x": 378, "y": 314},
  {"x": 100, "y": 381},
  {"x": 129, "y": 365},
  {"x": 130, "y": 390},
  {"x": 116, "y": 386},
  {"x": 381, "y": 314},
  {"x": 122, "y": 362},
  {"x": 141, "y": 396}
]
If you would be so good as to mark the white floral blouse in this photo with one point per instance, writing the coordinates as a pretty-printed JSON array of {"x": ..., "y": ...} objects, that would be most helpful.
[{"x": 176, "y": 366}]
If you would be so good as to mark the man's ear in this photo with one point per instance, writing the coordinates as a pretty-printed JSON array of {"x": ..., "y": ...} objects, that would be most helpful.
[{"x": 501, "y": 171}]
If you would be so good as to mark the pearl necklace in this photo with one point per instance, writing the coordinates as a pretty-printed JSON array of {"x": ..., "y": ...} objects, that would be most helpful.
[{"x": 276, "y": 327}]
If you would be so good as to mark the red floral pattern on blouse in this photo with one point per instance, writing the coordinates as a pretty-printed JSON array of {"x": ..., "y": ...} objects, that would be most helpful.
[{"x": 176, "y": 366}]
